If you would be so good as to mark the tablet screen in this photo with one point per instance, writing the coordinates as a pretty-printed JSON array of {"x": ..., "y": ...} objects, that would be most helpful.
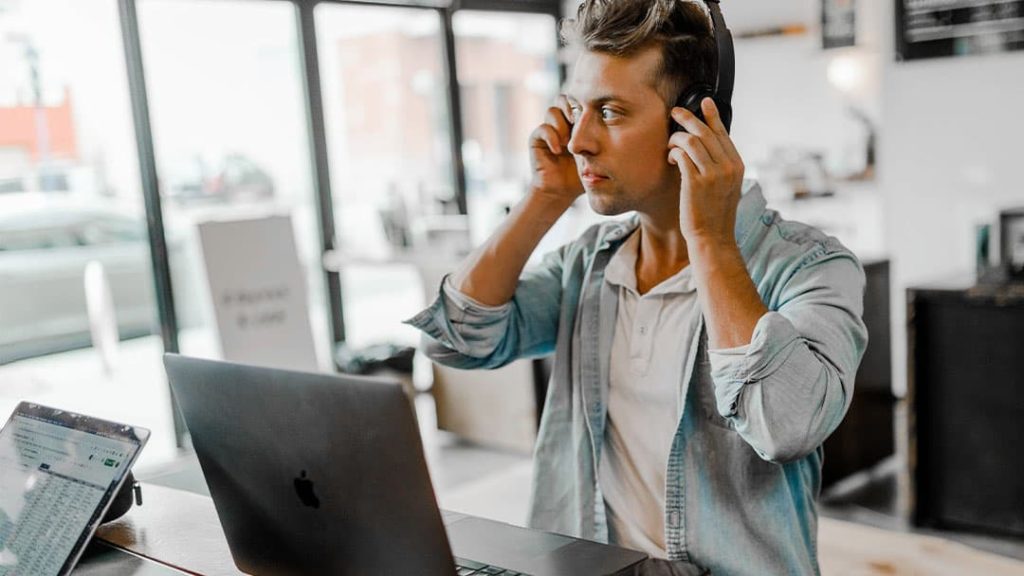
[{"x": 58, "y": 473}]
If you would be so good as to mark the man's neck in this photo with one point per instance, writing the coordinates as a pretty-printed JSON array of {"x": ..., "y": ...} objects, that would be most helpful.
[{"x": 662, "y": 251}]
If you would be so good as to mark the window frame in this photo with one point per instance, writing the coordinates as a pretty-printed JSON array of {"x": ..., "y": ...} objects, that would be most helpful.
[{"x": 314, "y": 109}]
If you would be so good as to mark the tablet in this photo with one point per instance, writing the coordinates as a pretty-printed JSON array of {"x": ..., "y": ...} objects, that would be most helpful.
[{"x": 59, "y": 472}]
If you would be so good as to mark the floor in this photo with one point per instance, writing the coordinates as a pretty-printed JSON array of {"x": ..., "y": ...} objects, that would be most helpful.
[{"x": 870, "y": 498}]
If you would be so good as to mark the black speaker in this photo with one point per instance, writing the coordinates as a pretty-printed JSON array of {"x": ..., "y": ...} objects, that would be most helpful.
[{"x": 966, "y": 399}]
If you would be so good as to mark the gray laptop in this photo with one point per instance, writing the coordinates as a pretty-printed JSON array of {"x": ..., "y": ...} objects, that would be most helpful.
[{"x": 325, "y": 474}]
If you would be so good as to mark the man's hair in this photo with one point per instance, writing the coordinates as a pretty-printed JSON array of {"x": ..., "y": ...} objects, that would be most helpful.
[{"x": 681, "y": 28}]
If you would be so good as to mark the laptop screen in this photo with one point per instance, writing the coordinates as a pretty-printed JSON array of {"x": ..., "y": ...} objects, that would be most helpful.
[{"x": 58, "y": 473}]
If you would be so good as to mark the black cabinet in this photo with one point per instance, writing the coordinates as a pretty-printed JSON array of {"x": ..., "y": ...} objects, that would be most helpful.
[{"x": 965, "y": 392}]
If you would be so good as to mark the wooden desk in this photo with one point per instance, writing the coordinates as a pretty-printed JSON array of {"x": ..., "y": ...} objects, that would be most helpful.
[
  {"x": 180, "y": 530},
  {"x": 174, "y": 528},
  {"x": 100, "y": 559}
]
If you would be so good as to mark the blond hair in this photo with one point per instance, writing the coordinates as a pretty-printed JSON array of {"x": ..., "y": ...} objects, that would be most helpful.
[{"x": 680, "y": 28}]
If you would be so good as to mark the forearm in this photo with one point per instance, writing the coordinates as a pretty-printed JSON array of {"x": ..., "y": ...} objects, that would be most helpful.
[
  {"x": 489, "y": 275},
  {"x": 728, "y": 298}
]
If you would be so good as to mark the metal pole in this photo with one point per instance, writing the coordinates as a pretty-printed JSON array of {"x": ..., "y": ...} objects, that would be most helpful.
[
  {"x": 454, "y": 109},
  {"x": 321, "y": 169},
  {"x": 151, "y": 192}
]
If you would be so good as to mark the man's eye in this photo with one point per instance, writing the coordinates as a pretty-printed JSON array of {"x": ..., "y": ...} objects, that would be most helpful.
[{"x": 608, "y": 114}]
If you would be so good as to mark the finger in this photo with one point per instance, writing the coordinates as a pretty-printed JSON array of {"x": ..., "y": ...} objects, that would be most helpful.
[
  {"x": 545, "y": 136},
  {"x": 714, "y": 121},
  {"x": 679, "y": 158},
  {"x": 694, "y": 126},
  {"x": 565, "y": 111},
  {"x": 695, "y": 149},
  {"x": 712, "y": 117},
  {"x": 562, "y": 102},
  {"x": 556, "y": 118}
]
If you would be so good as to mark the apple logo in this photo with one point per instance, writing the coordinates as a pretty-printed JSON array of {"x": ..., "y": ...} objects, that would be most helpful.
[{"x": 304, "y": 488}]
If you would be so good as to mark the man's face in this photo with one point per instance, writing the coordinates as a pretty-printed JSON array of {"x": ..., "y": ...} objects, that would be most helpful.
[{"x": 620, "y": 132}]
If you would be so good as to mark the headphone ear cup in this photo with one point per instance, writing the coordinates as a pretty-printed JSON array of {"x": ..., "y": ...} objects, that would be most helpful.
[{"x": 691, "y": 99}]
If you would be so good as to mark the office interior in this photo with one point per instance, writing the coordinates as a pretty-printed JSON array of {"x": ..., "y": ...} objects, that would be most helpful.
[{"x": 368, "y": 146}]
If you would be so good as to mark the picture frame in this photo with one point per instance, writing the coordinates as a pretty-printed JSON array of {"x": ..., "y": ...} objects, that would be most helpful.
[
  {"x": 838, "y": 23},
  {"x": 1011, "y": 242}
]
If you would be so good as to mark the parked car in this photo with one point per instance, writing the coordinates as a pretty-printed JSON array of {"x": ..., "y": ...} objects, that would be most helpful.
[
  {"x": 235, "y": 177},
  {"x": 44, "y": 248}
]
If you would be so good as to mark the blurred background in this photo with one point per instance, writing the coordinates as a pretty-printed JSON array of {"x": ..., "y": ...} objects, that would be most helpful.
[{"x": 392, "y": 136}]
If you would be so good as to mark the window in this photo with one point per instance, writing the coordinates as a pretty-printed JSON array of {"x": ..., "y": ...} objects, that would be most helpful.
[
  {"x": 70, "y": 200},
  {"x": 387, "y": 124},
  {"x": 230, "y": 137},
  {"x": 228, "y": 114},
  {"x": 508, "y": 76}
]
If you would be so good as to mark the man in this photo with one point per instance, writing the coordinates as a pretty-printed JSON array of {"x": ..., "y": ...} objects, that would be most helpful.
[{"x": 704, "y": 347}]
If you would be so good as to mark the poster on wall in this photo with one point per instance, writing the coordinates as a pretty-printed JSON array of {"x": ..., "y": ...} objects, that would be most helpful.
[
  {"x": 944, "y": 28},
  {"x": 838, "y": 23}
]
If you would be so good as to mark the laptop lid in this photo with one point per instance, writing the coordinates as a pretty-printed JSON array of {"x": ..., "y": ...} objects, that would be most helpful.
[
  {"x": 59, "y": 472},
  {"x": 312, "y": 473}
]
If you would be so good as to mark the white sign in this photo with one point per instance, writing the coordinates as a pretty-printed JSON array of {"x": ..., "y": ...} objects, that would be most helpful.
[{"x": 258, "y": 292}]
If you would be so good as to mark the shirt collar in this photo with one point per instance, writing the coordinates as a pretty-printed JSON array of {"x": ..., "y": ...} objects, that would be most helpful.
[{"x": 621, "y": 270}]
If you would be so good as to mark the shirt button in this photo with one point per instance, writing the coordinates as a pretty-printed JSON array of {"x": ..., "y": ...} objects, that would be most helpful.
[
  {"x": 643, "y": 330},
  {"x": 673, "y": 518}
]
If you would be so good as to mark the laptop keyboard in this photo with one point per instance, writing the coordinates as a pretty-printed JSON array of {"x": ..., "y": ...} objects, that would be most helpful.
[{"x": 465, "y": 567}]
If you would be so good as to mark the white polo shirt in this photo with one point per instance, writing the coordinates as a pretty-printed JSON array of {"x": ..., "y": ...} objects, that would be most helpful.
[{"x": 652, "y": 335}]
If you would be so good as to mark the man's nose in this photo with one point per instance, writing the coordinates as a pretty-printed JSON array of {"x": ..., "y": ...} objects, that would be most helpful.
[{"x": 583, "y": 140}]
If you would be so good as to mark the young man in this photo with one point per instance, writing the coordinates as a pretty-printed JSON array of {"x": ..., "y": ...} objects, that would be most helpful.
[{"x": 704, "y": 347}]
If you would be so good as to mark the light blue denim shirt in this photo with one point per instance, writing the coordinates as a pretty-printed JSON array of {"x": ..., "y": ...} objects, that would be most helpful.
[{"x": 744, "y": 472}]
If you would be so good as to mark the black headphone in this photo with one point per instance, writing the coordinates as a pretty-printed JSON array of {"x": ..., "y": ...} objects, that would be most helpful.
[{"x": 725, "y": 73}]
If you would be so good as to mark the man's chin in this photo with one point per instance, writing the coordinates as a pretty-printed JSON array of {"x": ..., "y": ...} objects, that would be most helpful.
[{"x": 604, "y": 205}]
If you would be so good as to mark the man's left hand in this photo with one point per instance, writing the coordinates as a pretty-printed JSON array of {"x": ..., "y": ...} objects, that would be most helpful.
[{"x": 712, "y": 175}]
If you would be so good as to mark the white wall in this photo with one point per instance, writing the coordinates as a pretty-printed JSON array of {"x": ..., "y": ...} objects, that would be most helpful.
[
  {"x": 951, "y": 140},
  {"x": 950, "y": 156},
  {"x": 783, "y": 99}
]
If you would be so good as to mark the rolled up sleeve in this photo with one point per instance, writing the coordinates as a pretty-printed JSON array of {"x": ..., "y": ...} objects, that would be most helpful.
[
  {"x": 463, "y": 333},
  {"x": 790, "y": 387}
]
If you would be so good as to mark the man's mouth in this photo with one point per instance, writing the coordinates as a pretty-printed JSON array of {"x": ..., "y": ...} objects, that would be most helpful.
[{"x": 590, "y": 176}]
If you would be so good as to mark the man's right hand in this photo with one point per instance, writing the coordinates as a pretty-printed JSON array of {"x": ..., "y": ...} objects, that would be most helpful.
[{"x": 553, "y": 168}]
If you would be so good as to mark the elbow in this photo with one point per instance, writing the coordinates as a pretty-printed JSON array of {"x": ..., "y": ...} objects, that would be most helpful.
[
  {"x": 783, "y": 450},
  {"x": 788, "y": 434},
  {"x": 791, "y": 426},
  {"x": 445, "y": 355},
  {"x": 468, "y": 358},
  {"x": 436, "y": 350},
  {"x": 784, "y": 443}
]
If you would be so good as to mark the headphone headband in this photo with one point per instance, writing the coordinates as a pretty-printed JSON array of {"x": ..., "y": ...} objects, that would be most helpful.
[{"x": 725, "y": 65}]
